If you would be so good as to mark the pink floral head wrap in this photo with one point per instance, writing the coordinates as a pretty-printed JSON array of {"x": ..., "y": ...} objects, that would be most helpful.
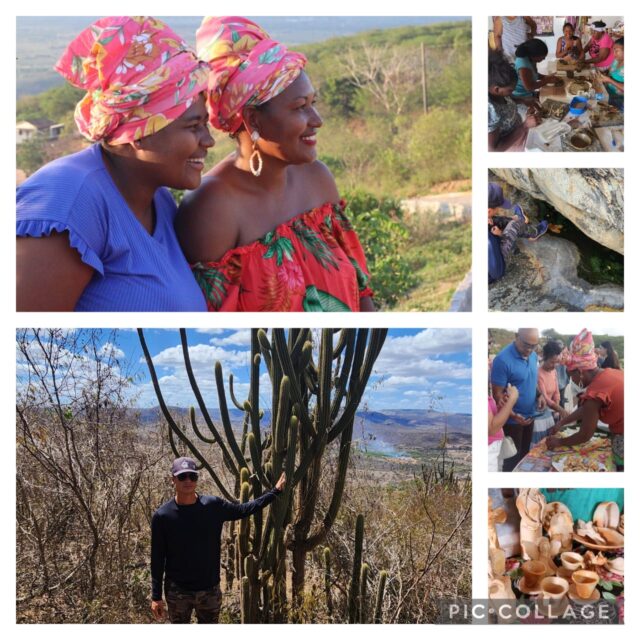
[
  {"x": 139, "y": 77},
  {"x": 582, "y": 353},
  {"x": 247, "y": 67}
]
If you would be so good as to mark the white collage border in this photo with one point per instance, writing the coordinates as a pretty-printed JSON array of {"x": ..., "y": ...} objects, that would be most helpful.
[{"x": 480, "y": 319}]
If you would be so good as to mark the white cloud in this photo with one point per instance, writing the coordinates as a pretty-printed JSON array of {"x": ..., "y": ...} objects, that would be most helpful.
[
  {"x": 201, "y": 355},
  {"x": 240, "y": 338}
]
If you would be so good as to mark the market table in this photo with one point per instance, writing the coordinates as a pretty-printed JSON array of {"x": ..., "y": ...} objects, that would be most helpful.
[{"x": 596, "y": 453}]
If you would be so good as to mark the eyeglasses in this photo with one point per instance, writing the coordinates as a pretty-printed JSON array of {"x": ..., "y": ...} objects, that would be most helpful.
[
  {"x": 527, "y": 345},
  {"x": 187, "y": 476}
]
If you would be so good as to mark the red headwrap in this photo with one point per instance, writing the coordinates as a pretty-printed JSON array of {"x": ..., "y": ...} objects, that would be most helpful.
[
  {"x": 247, "y": 67},
  {"x": 139, "y": 77}
]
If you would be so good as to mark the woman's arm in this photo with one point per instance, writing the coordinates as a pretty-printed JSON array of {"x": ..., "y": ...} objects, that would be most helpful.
[
  {"x": 366, "y": 304},
  {"x": 559, "y": 48},
  {"x": 497, "y": 32},
  {"x": 526, "y": 75},
  {"x": 590, "y": 414},
  {"x": 500, "y": 419},
  {"x": 618, "y": 85},
  {"x": 533, "y": 27},
  {"x": 50, "y": 275},
  {"x": 578, "y": 45},
  {"x": 602, "y": 55}
]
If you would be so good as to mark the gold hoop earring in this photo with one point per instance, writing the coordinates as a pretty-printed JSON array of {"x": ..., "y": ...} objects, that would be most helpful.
[{"x": 256, "y": 154}]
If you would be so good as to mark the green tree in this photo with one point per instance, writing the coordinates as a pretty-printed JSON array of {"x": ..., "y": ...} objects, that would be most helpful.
[
  {"x": 339, "y": 94},
  {"x": 31, "y": 155}
]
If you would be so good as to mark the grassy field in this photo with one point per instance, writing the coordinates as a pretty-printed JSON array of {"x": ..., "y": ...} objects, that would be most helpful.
[{"x": 440, "y": 259}]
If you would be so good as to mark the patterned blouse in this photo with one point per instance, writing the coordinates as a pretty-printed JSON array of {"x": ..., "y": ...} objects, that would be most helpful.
[{"x": 312, "y": 262}]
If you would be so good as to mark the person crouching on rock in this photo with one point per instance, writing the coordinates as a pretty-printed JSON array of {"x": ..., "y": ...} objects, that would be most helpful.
[
  {"x": 185, "y": 546},
  {"x": 505, "y": 230}
]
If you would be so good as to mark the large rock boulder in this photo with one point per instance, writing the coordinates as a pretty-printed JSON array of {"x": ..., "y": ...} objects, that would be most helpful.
[
  {"x": 591, "y": 198},
  {"x": 543, "y": 276}
]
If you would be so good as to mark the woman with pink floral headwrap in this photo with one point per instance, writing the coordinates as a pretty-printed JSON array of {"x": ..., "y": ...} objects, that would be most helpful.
[
  {"x": 602, "y": 399},
  {"x": 95, "y": 229},
  {"x": 266, "y": 231}
]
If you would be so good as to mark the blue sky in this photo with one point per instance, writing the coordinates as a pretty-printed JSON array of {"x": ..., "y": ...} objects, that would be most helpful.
[{"x": 414, "y": 365}]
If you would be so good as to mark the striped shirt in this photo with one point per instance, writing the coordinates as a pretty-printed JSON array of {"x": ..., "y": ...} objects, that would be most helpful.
[{"x": 514, "y": 32}]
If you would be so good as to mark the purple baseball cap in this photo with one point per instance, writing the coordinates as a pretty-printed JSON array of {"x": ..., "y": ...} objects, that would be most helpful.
[
  {"x": 183, "y": 465},
  {"x": 496, "y": 197}
]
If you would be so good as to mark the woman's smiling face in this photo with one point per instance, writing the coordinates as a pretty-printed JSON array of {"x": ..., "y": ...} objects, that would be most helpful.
[
  {"x": 180, "y": 148},
  {"x": 288, "y": 123}
]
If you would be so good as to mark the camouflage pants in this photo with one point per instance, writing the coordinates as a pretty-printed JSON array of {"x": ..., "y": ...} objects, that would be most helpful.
[{"x": 181, "y": 604}]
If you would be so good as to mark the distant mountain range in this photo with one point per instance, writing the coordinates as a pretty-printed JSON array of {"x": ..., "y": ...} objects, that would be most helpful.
[
  {"x": 40, "y": 40},
  {"x": 392, "y": 432}
]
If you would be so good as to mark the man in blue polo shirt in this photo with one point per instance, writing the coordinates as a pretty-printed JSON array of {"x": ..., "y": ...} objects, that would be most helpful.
[{"x": 517, "y": 364}]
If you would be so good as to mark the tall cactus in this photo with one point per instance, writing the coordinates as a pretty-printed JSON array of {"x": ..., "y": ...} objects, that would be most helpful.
[
  {"x": 363, "y": 603},
  {"x": 382, "y": 581},
  {"x": 354, "y": 587},
  {"x": 313, "y": 407}
]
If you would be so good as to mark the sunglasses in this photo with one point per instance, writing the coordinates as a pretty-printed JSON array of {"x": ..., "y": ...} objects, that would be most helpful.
[{"x": 187, "y": 476}]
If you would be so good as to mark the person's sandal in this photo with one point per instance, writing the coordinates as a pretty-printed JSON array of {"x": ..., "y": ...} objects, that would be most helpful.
[
  {"x": 541, "y": 229},
  {"x": 517, "y": 209}
]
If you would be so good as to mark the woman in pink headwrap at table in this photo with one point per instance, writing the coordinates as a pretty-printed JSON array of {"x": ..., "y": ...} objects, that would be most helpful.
[
  {"x": 266, "y": 230},
  {"x": 96, "y": 229},
  {"x": 602, "y": 399}
]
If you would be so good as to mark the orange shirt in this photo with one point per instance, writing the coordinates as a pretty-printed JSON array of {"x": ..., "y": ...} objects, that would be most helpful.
[
  {"x": 548, "y": 385},
  {"x": 608, "y": 387}
]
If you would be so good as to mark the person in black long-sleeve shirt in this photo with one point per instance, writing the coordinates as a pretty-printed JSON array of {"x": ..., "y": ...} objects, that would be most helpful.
[{"x": 185, "y": 546}]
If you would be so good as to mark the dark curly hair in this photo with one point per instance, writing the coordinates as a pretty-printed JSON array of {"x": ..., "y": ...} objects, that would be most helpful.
[
  {"x": 551, "y": 349},
  {"x": 533, "y": 48},
  {"x": 501, "y": 71}
]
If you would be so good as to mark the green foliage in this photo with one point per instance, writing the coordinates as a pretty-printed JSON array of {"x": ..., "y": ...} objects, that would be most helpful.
[
  {"x": 31, "y": 155},
  {"x": 383, "y": 236},
  {"x": 54, "y": 104},
  {"x": 439, "y": 255},
  {"x": 439, "y": 146},
  {"x": 339, "y": 94}
]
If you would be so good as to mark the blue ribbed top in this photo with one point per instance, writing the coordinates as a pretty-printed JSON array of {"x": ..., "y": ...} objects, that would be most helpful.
[{"x": 133, "y": 269}]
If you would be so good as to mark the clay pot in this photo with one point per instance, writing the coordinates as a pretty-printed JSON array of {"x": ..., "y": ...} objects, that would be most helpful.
[
  {"x": 572, "y": 561},
  {"x": 554, "y": 588},
  {"x": 533, "y": 571},
  {"x": 586, "y": 582}
]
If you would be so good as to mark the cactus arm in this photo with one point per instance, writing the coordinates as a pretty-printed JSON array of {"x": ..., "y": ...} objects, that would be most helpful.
[
  {"x": 348, "y": 336},
  {"x": 201, "y": 404},
  {"x": 256, "y": 461},
  {"x": 284, "y": 357},
  {"x": 324, "y": 383},
  {"x": 254, "y": 388},
  {"x": 173, "y": 427},
  {"x": 361, "y": 371},
  {"x": 354, "y": 588},
  {"x": 194, "y": 426},
  {"x": 382, "y": 581},
  {"x": 224, "y": 415},
  {"x": 233, "y": 395},
  {"x": 364, "y": 576}
]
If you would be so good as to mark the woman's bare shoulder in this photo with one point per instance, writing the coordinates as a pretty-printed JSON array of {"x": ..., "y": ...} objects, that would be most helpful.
[
  {"x": 207, "y": 222},
  {"x": 319, "y": 177}
]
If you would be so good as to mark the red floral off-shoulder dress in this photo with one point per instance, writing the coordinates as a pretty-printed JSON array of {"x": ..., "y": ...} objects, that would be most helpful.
[{"x": 312, "y": 262}]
